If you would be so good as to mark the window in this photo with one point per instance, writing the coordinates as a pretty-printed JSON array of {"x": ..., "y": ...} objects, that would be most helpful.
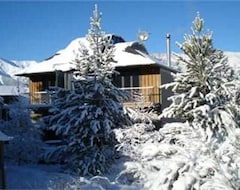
[
  {"x": 114, "y": 38},
  {"x": 126, "y": 81},
  {"x": 59, "y": 79}
]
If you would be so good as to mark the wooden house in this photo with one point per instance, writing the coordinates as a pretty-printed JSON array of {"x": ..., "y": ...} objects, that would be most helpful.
[{"x": 140, "y": 73}]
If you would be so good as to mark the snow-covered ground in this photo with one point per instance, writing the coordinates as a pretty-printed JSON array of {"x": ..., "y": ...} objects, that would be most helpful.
[
  {"x": 30, "y": 176},
  {"x": 24, "y": 172},
  {"x": 35, "y": 177},
  {"x": 176, "y": 155}
]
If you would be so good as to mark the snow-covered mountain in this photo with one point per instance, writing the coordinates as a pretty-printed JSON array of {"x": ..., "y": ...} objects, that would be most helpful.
[
  {"x": 8, "y": 70},
  {"x": 233, "y": 58}
]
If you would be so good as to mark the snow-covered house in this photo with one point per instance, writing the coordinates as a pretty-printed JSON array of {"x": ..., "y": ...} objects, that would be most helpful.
[{"x": 140, "y": 73}]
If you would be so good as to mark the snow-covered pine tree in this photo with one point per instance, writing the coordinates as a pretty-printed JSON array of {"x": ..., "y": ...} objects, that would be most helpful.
[
  {"x": 202, "y": 153},
  {"x": 202, "y": 93},
  {"x": 86, "y": 116}
]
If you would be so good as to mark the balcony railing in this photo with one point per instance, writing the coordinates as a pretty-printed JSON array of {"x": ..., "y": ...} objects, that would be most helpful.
[
  {"x": 142, "y": 96},
  {"x": 138, "y": 95},
  {"x": 41, "y": 97}
]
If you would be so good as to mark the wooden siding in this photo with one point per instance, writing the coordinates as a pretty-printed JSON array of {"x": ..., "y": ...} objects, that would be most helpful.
[
  {"x": 150, "y": 79},
  {"x": 142, "y": 80},
  {"x": 149, "y": 82},
  {"x": 35, "y": 86},
  {"x": 166, "y": 77},
  {"x": 38, "y": 84}
]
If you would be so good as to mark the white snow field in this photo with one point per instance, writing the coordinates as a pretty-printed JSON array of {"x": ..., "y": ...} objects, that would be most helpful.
[{"x": 51, "y": 177}]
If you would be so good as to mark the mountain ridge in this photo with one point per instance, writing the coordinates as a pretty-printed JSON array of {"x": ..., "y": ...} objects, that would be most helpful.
[
  {"x": 8, "y": 69},
  {"x": 233, "y": 59}
]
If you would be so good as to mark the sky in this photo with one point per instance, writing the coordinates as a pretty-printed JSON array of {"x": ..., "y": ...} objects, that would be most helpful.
[{"x": 36, "y": 30}]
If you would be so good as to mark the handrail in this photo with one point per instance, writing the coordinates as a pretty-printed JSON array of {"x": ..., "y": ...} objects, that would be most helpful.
[
  {"x": 137, "y": 88},
  {"x": 137, "y": 94},
  {"x": 40, "y": 97}
]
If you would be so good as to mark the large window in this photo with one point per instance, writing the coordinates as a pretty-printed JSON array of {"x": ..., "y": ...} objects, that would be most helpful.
[
  {"x": 59, "y": 79},
  {"x": 127, "y": 81}
]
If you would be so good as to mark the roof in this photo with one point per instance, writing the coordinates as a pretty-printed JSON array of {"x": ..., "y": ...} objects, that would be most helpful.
[
  {"x": 4, "y": 137},
  {"x": 11, "y": 90},
  {"x": 125, "y": 54}
]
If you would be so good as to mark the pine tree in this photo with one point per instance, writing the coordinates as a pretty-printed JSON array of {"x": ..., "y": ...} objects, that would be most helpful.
[
  {"x": 86, "y": 116},
  {"x": 203, "y": 152},
  {"x": 202, "y": 94}
]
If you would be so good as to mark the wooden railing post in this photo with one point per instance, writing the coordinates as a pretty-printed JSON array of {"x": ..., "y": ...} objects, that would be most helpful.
[{"x": 2, "y": 170}]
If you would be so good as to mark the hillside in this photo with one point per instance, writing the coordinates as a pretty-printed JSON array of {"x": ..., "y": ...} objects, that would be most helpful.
[
  {"x": 9, "y": 68},
  {"x": 233, "y": 58}
]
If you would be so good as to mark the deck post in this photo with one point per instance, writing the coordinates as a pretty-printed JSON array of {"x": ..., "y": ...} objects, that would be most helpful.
[
  {"x": 2, "y": 170},
  {"x": 3, "y": 138}
]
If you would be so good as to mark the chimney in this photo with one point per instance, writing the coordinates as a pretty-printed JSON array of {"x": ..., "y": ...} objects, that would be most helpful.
[{"x": 168, "y": 36}]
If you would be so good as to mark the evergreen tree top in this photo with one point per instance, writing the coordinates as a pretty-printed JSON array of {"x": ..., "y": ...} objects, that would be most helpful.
[
  {"x": 198, "y": 23},
  {"x": 95, "y": 23},
  {"x": 96, "y": 62},
  {"x": 95, "y": 20}
]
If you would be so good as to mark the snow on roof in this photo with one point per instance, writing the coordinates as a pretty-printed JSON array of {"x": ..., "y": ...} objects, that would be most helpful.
[
  {"x": 60, "y": 61},
  {"x": 4, "y": 137},
  {"x": 125, "y": 54},
  {"x": 11, "y": 90}
]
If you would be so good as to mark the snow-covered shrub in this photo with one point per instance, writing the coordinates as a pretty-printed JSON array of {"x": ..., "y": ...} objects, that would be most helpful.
[
  {"x": 98, "y": 183},
  {"x": 180, "y": 158},
  {"x": 234, "y": 105},
  {"x": 26, "y": 145},
  {"x": 141, "y": 131},
  {"x": 130, "y": 139},
  {"x": 18, "y": 113},
  {"x": 86, "y": 116}
]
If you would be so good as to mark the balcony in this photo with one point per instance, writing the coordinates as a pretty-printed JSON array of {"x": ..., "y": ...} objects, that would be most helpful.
[
  {"x": 41, "y": 98},
  {"x": 139, "y": 96},
  {"x": 142, "y": 96}
]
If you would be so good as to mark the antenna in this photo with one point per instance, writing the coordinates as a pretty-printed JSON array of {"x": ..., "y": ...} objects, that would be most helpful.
[{"x": 142, "y": 36}]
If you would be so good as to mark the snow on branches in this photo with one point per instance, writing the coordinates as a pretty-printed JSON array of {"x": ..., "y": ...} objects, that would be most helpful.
[
  {"x": 86, "y": 116},
  {"x": 204, "y": 92}
]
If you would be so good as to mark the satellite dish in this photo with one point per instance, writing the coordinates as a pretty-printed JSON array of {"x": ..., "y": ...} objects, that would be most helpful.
[{"x": 143, "y": 36}]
